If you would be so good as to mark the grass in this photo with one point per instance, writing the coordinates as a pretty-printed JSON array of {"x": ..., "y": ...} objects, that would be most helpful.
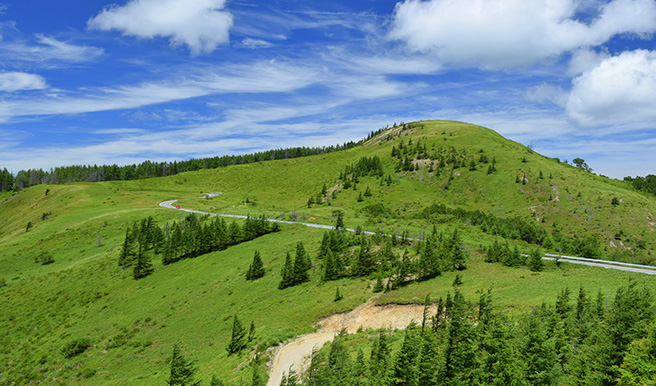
[{"x": 132, "y": 325}]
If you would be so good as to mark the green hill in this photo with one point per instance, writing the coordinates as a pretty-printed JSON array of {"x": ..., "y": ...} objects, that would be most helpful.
[{"x": 405, "y": 180}]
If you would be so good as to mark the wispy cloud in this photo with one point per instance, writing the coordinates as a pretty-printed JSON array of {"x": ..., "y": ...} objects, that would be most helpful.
[
  {"x": 16, "y": 81},
  {"x": 45, "y": 51}
]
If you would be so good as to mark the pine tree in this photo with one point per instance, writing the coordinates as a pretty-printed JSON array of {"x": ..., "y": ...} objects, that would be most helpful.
[
  {"x": 378, "y": 287},
  {"x": 338, "y": 295},
  {"x": 287, "y": 273},
  {"x": 216, "y": 381},
  {"x": 142, "y": 266},
  {"x": 428, "y": 363},
  {"x": 182, "y": 370},
  {"x": 256, "y": 269},
  {"x": 367, "y": 192},
  {"x": 535, "y": 262},
  {"x": 238, "y": 340},
  {"x": 404, "y": 372},
  {"x": 302, "y": 265},
  {"x": 360, "y": 198},
  {"x": 126, "y": 257},
  {"x": 251, "y": 332}
]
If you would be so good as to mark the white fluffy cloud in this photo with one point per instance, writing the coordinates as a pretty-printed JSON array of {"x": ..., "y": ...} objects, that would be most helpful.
[
  {"x": 200, "y": 24},
  {"x": 16, "y": 81},
  {"x": 494, "y": 34},
  {"x": 620, "y": 90}
]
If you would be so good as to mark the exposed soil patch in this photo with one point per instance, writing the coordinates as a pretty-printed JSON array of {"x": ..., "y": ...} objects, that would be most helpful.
[{"x": 296, "y": 354}]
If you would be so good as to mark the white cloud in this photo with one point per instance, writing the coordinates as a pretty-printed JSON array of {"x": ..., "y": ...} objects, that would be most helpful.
[
  {"x": 620, "y": 90},
  {"x": 547, "y": 93},
  {"x": 47, "y": 50},
  {"x": 584, "y": 60},
  {"x": 200, "y": 24},
  {"x": 255, "y": 43},
  {"x": 493, "y": 34},
  {"x": 16, "y": 81},
  {"x": 259, "y": 77}
]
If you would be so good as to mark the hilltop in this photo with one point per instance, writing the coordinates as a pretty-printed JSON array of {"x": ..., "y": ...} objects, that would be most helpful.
[{"x": 406, "y": 180}]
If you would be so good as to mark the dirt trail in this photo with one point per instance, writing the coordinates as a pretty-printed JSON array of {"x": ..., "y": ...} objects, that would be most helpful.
[{"x": 296, "y": 354}]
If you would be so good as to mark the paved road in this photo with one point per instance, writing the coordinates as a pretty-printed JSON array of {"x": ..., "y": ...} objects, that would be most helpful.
[{"x": 646, "y": 269}]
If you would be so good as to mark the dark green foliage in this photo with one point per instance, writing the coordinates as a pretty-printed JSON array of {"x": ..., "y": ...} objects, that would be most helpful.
[
  {"x": 44, "y": 258},
  {"x": 287, "y": 273},
  {"x": 548, "y": 345},
  {"x": 404, "y": 371},
  {"x": 182, "y": 369},
  {"x": 639, "y": 365},
  {"x": 378, "y": 287},
  {"x": 535, "y": 262},
  {"x": 216, "y": 381},
  {"x": 238, "y": 340},
  {"x": 338, "y": 295},
  {"x": 472, "y": 166},
  {"x": 645, "y": 184},
  {"x": 28, "y": 226},
  {"x": 142, "y": 264},
  {"x": 75, "y": 347},
  {"x": 614, "y": 201},
  {"x": 251, "y": 332},
  {"x": 148, "y": 169},
  {"x": 256, "y": 269}
]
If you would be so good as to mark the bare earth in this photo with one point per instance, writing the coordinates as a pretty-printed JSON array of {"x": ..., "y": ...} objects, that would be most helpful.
[{"x": 296, "y": 354}]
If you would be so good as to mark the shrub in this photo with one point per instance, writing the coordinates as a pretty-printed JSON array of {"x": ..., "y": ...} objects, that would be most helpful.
[{"x": 76, "y": 347}]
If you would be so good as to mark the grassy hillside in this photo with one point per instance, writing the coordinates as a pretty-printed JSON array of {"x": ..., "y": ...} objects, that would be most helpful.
[{"x": 133, "y": 324}]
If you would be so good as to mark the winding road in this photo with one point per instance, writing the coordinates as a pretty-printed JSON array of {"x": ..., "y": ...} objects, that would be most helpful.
[
  {"x": 296, "y": 354},
  {"x": 617, "y": 265}
]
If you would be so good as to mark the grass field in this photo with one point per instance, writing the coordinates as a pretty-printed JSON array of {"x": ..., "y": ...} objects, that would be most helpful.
[{"x": 133, "y": 324}]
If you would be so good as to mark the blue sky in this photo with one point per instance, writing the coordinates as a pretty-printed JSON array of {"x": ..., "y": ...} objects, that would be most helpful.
[{"x": 98, "y": 82}]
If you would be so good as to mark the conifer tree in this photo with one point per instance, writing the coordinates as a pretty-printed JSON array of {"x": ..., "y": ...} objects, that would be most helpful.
[
  {"x": 535, "y": 262},
  {"x": 142, "y": 266},
  {"x": 126, "y": 257},
  {"x": 302, "y": 265},
  {"x": 182, "y": 369},
  {"x": 238, "y": 340},
  {"x": 256, "y": 269},
  {"x": 379, "y": 287},
  {"x": 251, "y": 332},
  {"x": 428, "y": 365},
  {"x": 404, "y": 372},
  {"x": 287, "y": 273},
  {"x": 216, "y": 381}
]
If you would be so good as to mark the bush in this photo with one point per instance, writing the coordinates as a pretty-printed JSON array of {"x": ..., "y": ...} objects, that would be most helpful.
[
  {"x": 76, "y": 347},
  {"x": 44, "y": 258}
]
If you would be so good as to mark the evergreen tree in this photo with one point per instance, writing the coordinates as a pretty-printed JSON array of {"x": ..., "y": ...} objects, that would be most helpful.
[
  {"x": 256, "y": 269},
  {"x": 238, "y": 340},
  {"x": 251, "y": 332},
  {"x": 287, "y": 273},
  {"x": 127, "y": 255},
  {"x": 142, "y": 266},
  {"x": 379, "y": 287},
  {"x": 380, "y": 359},
  {"x": 639, "y": 365},
  {"x": 404, "y": 372},
  {"x": 338, "y": 295},
  {"x": 182, "y": 370},
  {"x": 428, "y": 365},
  {"x": 302, "y": 265},
  {"x": 257, "y": 377},
  {"x": 535, "y": 262},
  {"x": 216, "y": 381}
]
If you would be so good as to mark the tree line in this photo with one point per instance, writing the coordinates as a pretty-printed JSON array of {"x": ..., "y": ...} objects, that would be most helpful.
[
  {"x": 517, "y": 228},
  {"x": 643, "y": 184},
  {"x": 148, "y": 169},
  {"x": 578, "y": 340},
  {"x": 191, "y": 237}
]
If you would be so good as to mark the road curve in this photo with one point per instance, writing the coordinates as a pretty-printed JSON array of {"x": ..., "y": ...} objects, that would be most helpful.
[{"x": 646, "y": 269}]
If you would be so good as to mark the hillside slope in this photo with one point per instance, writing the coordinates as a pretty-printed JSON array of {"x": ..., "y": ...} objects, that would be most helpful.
[{"x": 133, "y": 324}]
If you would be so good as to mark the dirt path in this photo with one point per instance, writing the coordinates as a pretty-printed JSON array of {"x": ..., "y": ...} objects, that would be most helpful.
[{"x": 296, "y": 354}]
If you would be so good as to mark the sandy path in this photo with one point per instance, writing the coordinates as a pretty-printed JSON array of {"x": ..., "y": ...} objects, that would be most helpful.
[{"x": 296, "y": 354}]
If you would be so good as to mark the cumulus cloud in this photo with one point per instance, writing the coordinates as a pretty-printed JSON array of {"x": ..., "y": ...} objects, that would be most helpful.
[
  {"x": 493, "y": 34},
  {"x": 620, "y": 90},
  {"x": 200, "y": 24},
  {"x": 584, "y": 60},
  {"x": 17, "y": 81}
]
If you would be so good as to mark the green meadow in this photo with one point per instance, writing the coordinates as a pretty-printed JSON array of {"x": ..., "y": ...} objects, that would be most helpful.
[{"x": 133, "y": 324}]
